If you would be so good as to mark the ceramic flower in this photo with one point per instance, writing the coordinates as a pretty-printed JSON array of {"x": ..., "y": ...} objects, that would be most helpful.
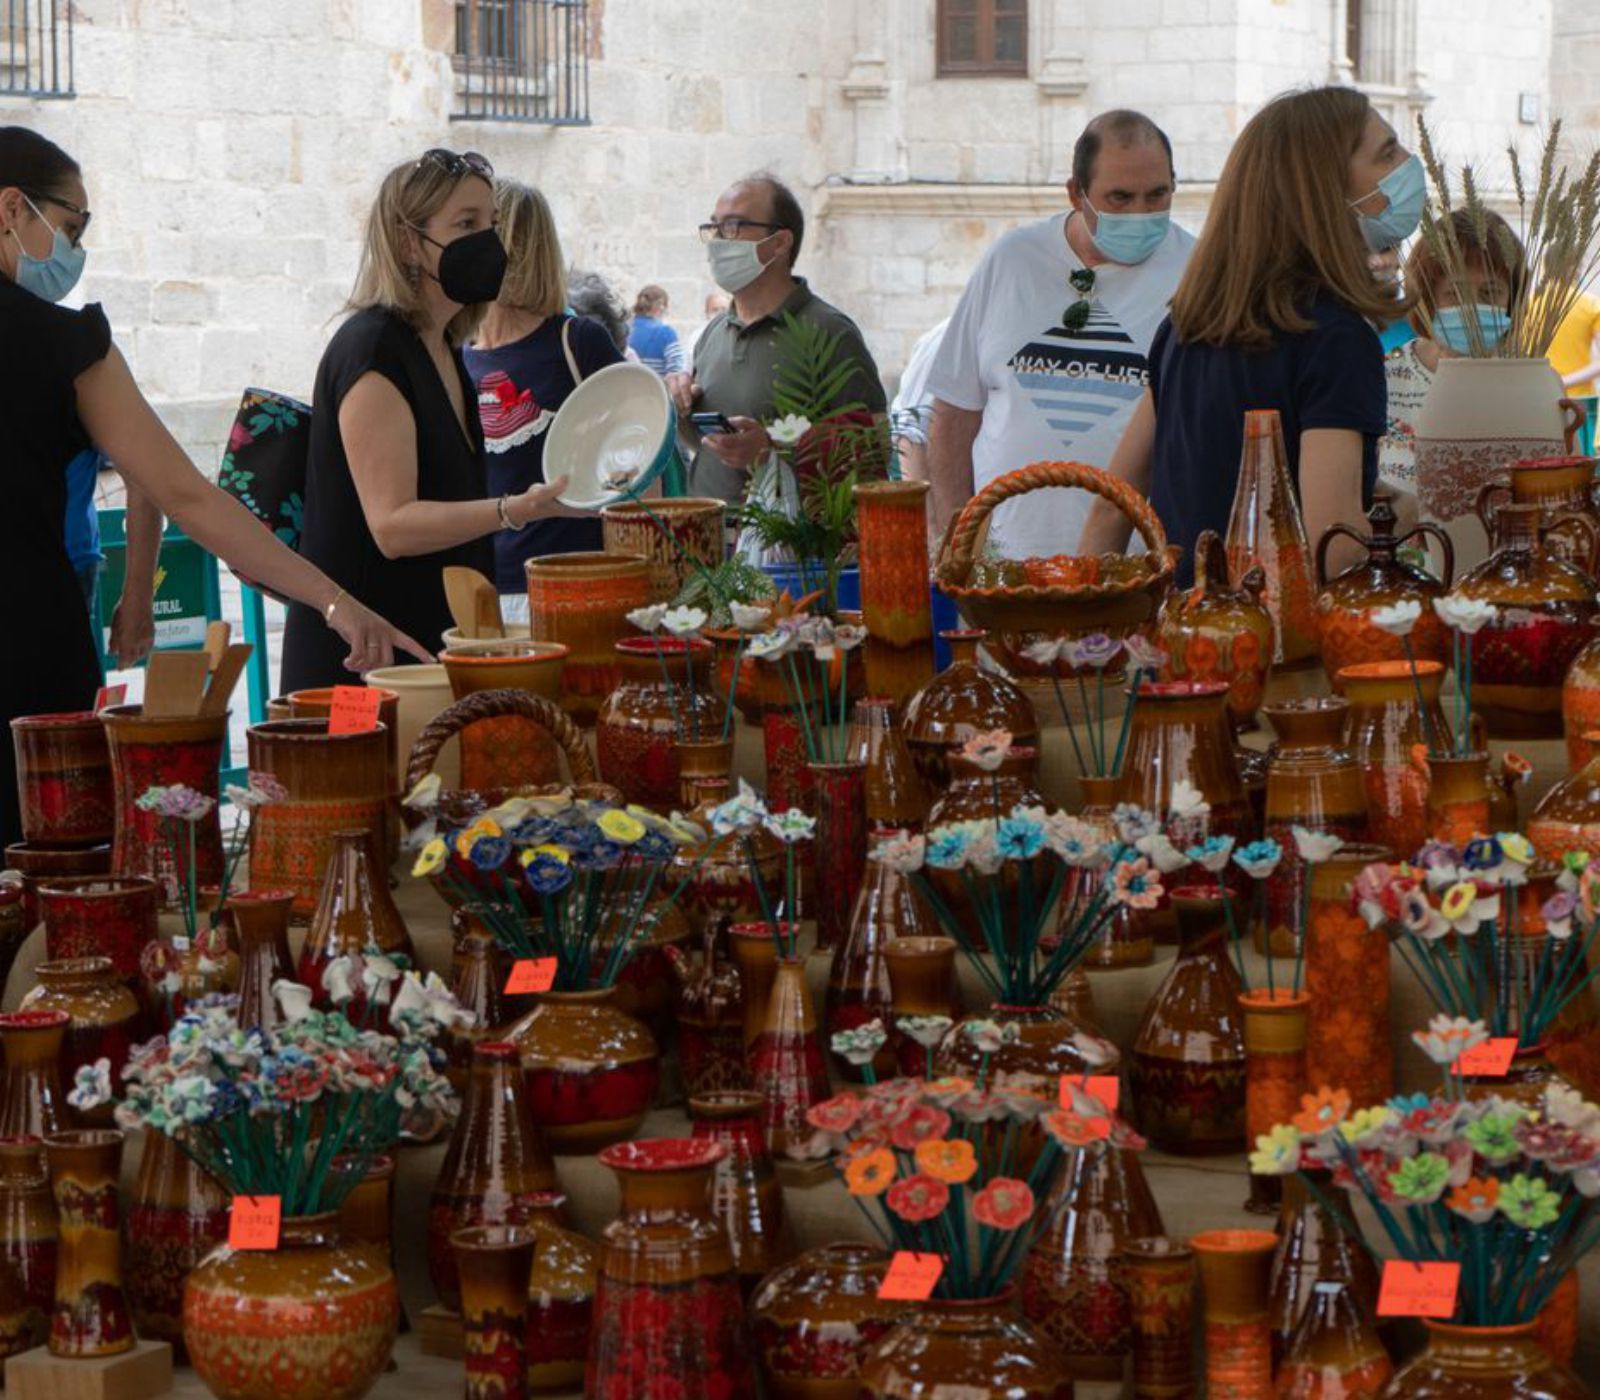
[
  {"x": 379, "y": 973},
  {"x": 1074, "y": 840},
  {"x": 836, "y": 1115},
  {"x": 1494, "y": 1137},
  {"x": 1187, "y": 802},
  {"x": 918, "y": 1198},
  {"x": 1557, "y": 912},
  {"x": 926, "y": 1031},
  {"x": 649, "y": 619},
  {"x": 1131, "y": 821},
  {"x": 1092, "y": 653},
  {"x": 1529, "y": 1203},
  {"x": 1135, "y": 884},
  {"x": 1397, "y": 619},
  {"x": 1315, "y": 847},
  {"x": 260, "y": 790},
  {"x": 1259, "y": 859},
  {"x": 683, "y": 621},
  {"x": 1420, "y": 919},
  {"x": 176, "y": 803},
  {"x": 1465, "y": 615},
  {"x": 1277, "y": 1152},
  {"x": 1448, "y": 1038},
  {"x": 1365, "y": 1126},
  {"x": 870, "y": 1173},
  {"x": 338, "y": 979},
  {"x": 91, "y": 1086},
  {"x": 950, "y": 1160},
  {"x": 293, "y": 999},
  {"x": 1475, "y": 1199},
  {"x": 1322, "y": 1112},
  {"x": 987, "y": 751},
  {"x": 1161, "y": 853},
  {"x": 1020, "y": 836},
  {"x": 988, "y": 1036},
  {"x": 790, "y": 826},
  {"x": 858, "y": 1045},
  {"x": 902, "y": 853},
  {"x": 946, "y": 848},
  {"x": 847, "y": 636},
  {"x": 546, "y": 871},
  {"x": 788, "y": 430},
  {"x": 741, "y": 812},
  {"x": 917, "y": 1124},
  {"x": 1073, "y": 1130},
  {"x": 769, "y": 646},
  {"x": 1044, "y": 653},
  {"x": 1466, "y": 908},
  {"x": 749, "y": 617},
  {"x": 1212, "y": 854},
  {"x": 425, "y": 795},
  {"x": 1146, "y": 656},
  {"x": 1004, "y": 1204},
  {"x": 620, "y": 827}
]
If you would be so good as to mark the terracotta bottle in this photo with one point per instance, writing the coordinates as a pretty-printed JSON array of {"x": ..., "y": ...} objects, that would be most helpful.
[
  {"x": 495, "y": 1161},
  {"x": 494, "y": 1263},
  {"x": 1266, "y": 528},
  {"x": 815, "y": 1321},
  {"x": 1334, "y": 1351},
  {"x": 355, "y": 911},
  {"x": 566, "y": 1270},
  {"x": 1217, "y": 632},
  {"x": 105, "y": 1021},
  {"x": 787, "y": 1067},
  {"x": 745, "y": 1194},
  {"x": 32, "y": 1103},
  {"x": 896, "y": 793},
  {"x": 29, "y": 1237},
  {"x": 964, "y": 699},
  {"x": 91, "y": 1315},
  {"x": 261, "y": 919}
]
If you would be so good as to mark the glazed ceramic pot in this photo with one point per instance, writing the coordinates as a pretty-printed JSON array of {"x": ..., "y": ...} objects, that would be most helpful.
[
  {"x": 477, "y": 973},
  {"x": 1458, "y": 797},
  {"x": 261, "y": 923},
  {"x": 720, "y": 886},
  {"x": 245, "y": 1311},
  {"x": 335, "y": 782},
  {"x": 963, "y": 700},
  {"x": 641, "y": 722},
  {"x": 1484, "y": 1363},
  {"x": 147, "y": 753},
  {"x": 495, "y": 1163},
  {"x": 32, "y": 1103},
  {"x": 176, "y": 1216},
  {"x": 1238, "y": 1334},
  {"x": 745, "y": 1194},
  {"x": 495, "y": 1263},
  {"x": 1274, "y": 1073},
  {"x": 1557, "y": 485},
  {"x": 1073, "y": 1287},
  {"x": 1580, "y": 706},
  {"x": 29, "y": 1240},
  {"x": 1335, "y": 1350},
  {"x": 423, "y": 694},
  {"x": 701, "y": 759},
  {"x": 922, "y": 982},
  {"x": 64, "y": 779},
  {"x": 1267, "y": 531},
  {"x": 1568, "y": 816},
  {"x": 1347, "y": 978},
  {"x": 755, "y": 954},
  {"x": 566, "y": 1272},
  {"x": 1188, "y": 1065},
  {"x": 354, "y": 911},
  {"x": 14, "y": 927},
  {"x": 787, "y": 1067},
  {"x": 591, "y": 1070},
  {"x": 508, "y": 751},
  {"x": 815, "y": 1320},
  {"x": 1312, "y": 782},
  {"x": 1545, "y": 617},
  {"x": 1215, "y": 632},
  {"x": 39, "y": 865},
  {"x": 90, "y": 1316},
  {"x": 583, "y": 601},
  {"x": 105, "y": 1021},
  {"x": 1386, "y": 725},
  {"x": 978, "y": 1348},
  {"x": 839, "y": 846},
  {"x": 317, "y": 703},
  {"x": 896, "y": 794},
  {"x": 1316, "y": 1241},
  {"x": 669, "y": 1317},
  {"x": 1382, "y": 580},
  {"x": 97, "y": 917},
  {"x": 896, "y": 603},
  {"x": 366, "y": 1215},
  {"x": 680, "y": 536},
  {"x": 709, "y": 1016},
  {"x": 644, "y": 986},
  {"x": 1159, "y": 1274}
]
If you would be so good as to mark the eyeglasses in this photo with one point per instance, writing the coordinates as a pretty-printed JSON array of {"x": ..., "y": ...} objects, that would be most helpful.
[
  {"x": 729, "y": 228},
  {"x": 1076, "y": 316},
  {"x": 458, "y": 163},
  {"x": 39, "y": 196}
]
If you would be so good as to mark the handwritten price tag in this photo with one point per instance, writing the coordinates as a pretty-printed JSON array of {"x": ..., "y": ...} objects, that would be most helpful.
[
  {"x": 1492, "y": 1059},
  {"x": 911, "y": 1277},
  {"x": 254, "y": 1221},
  {"x": 1418, "y": 1290},
  {"x": 109, "y": 695},
  {"x": 1107, "y": 1088},
  {"x": 531, "y": 975},
  {"x": 353, "y": 710}
]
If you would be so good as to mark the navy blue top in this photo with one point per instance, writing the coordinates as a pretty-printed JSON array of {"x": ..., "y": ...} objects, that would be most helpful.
[
  {"x": 520, "y": 387},
  {"x": 1327, "y": 377}
]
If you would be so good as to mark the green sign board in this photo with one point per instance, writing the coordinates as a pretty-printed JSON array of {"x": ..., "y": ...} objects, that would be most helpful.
[{"x": 186, "y": 594}]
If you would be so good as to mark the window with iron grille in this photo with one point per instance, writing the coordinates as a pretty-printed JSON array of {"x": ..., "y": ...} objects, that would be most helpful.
[
  {"x": 522, "y": 61},
  {"x": 982, "y": 36},
  {"x": 36, "y": 48}
]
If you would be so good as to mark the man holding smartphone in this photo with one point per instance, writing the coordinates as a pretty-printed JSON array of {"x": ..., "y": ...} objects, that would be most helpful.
[{"x": 752, "y": 241}]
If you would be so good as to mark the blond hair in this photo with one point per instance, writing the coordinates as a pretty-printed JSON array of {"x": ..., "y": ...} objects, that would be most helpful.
[
  {"x": 409, "y": 196},
  {"x": 1280, "y": 230},
  {"x": 536, "y": 276}
]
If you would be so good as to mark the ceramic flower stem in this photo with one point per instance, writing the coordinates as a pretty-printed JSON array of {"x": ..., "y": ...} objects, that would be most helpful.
[
  {"x": 1127, "y": 717},
  {"x": 1423, "y": 709},
  {"x": 1094, "y": 737},
  {"x": 1066, "y": 720},
  {"x": 733, "y": 686},
  {"x": 1233, "y": 932},
  {"x": 671, "y": 689}
]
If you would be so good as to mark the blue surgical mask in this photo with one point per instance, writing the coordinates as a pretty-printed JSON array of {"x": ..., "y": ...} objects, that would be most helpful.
[
  {"x": 50, "y": 278},
  {"x": 1451, "y": 330},
  {"x": 1129, "y": 238},
  {"x": 1406, "y": 189}
]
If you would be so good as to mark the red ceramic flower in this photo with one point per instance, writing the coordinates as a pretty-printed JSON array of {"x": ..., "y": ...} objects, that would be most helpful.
[
  {"x": 1004, "y": 1204},
  {"x": 836, "y": 1115},
  {"x": 919, "y": 1123},
  {"x": 918, "y": 1198},
  {"x": 1075, "y": 1129}
]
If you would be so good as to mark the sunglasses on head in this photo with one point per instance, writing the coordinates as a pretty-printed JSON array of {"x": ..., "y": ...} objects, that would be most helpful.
[{"x": 458, "y": 163}]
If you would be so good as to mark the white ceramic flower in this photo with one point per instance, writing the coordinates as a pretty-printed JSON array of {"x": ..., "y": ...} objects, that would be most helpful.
[
  {"x": 988, "y": 750},
  {"x": 747, "y": 617},
  {"x": 859, "y": 1045},
  {"x": 1448, "y": 1038},
  {"x": 649, "y": 619},
  {"x": 741, "y": 812},
  {"x": 337, "y": 980},
  {"x": 425, "y": 796},
  {"x": 927, "y": 1031},
  {"x": 788, "y": 430},
  {"x": 1464, "y": 615},
  {"x": 378, "y": 976},
  {"x": 410, "y": 999},
  {"x": 1044, "y": 653},
  {"x": 1145, "y": 655},
  {"x": 1162, "y": 853},
  {"x": 294, "y": 1000},
  {"x": 769, "y": 646},
  {"x": 903, "y": 853},
  {"x": 790, "y": 825},
  {"x": 1397, "y": 619},
  {"x": 986, "y": 1036},
  {"x": 1187, "y": 802},
  {"x": 847, "y": 636},
  {"x": 92, "y": 1086},
  {"x": 681, "y": 622},
  {"x": 1315, "y": 847}
]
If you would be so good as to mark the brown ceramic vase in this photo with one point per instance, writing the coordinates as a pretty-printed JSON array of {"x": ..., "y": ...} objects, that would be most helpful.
[
  {"x": 105, "y": 1021},
  {"x": 29, "y": 1241},
  {"x": 494, "y": 1263},
  {"x": 679, "y": 536},
  {"x": 963, "y": 700},
  {"x": 642, "y": 720},
  {"x": 897, "y": 796},
  {"x": 1214, "y": 632},
  {"x": 354, "y": 911},
  {"x": 1159, "y": 1274},
  {"x": 583, "y": 601},
  {"x": 261, "y": 921},
  {"x": 745, "y": 1194},
  {"x": 1484, "y": 1363},
  {"x": 64, "y": 781},
  {"x": 32, "y": 1102},
  {"x": 91, "y": 1317}
]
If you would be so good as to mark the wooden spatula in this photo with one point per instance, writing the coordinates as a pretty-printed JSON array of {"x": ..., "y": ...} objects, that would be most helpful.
[
  {"x": 474, "y": 602},
  {"x": 217, "y": 636},
  {"x": 174, "y": 681},
  {"x": 224, "y": 678}
]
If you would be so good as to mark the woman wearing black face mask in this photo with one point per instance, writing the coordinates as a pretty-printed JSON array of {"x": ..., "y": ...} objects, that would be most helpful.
[{"x": 395, "y": 481}]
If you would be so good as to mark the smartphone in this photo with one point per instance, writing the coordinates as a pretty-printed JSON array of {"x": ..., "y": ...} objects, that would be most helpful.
[{"x": 708, "y": 423}]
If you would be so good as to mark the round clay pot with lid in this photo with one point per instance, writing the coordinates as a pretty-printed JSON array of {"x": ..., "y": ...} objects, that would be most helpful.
[
  {"x": 508, "y": 751},
  {"x": 64, "y": 779},
  {"x": 105, "y": 1021},
  {"x": 582, "y": 600},
  {"x": 963, "y": 700}
]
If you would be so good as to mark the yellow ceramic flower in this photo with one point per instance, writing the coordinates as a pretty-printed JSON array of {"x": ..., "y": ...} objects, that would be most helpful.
[
  {"x": 1277, "y": 1152},
  {"x": 1458, "y": 900},
  {"x": 465, "y": 840},
  {"x": 430, "y": 858},
  {"x": 425, "y": 794},
  {"x": 620, "y": 827},
  {"x": 1517, "y": 847},
  {"x": 560, "y": 853},
  {"x": 1364, "y": 1121}
]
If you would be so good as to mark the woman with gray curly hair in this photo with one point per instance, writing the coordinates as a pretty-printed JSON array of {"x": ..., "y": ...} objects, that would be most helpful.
[{"x": 589, "y": 294}]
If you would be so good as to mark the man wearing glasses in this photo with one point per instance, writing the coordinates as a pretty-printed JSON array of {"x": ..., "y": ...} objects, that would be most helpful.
[
  {"x": 1044, "y": 358},
  {"x": 752, "y": 243}
]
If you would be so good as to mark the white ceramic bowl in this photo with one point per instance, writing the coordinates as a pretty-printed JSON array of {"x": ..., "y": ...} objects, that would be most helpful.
[{"x": 612, "y": 437}]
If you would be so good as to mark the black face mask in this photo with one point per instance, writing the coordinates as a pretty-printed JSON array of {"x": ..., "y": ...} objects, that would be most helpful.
[{"x": 472, "y": 268}]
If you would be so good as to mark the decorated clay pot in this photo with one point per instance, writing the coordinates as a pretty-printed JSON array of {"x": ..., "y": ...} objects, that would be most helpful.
[
  {"x": 1387, "y": 723},
  {"x": 507, "y": 751},
  {"x": 1318, "y": 1239},
  {"x": 745, "y": 1194},
  {"x": 1217, "y": 632},
  {"x": 839, "y": 846},
  {"x": 720, "y": 886},
  {"x": 29, "y": 1240},
  {"x": 1580, "y": 706},
  {"x": 1484, "y": 1363},
  {"x": 1274, "y": 1073},
  {"x": 91, "y": 1316},
  {"x": 896, "y": 602},
  {"x": 1238, "y": 1334},
  {"x": 95, "y": 916},
  {"x": 583, "y": 601},
  {"x": 32, "y": 1102},
  {"x": 699, "y": 760},
  {"x": 641, "y": 722},
  {"x": 1458, "y": 797},
  {"x": 495, "y": 1263},
  {"x": 317, "y": 703},
  {"x": 963, "y": 700},
  {"x": 64, "y": 779},
  {"x": 1568, "y": 816},
  {"x": 1557, "y": 485},
  {"x": 566, "y": 1269},
  {"x": 787, "y": 1067},
  {"x": 1160, "y": 1277},
  {"x": 680, "y": 536},
  {"x": 1347, "y": 977},
  {"x": 105, "y": 1021}
]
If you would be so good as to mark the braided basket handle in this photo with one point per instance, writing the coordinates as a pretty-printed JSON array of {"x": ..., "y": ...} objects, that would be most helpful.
[
  {"x": 499, "y": 704},
  {"x": 961, "y": 541}
]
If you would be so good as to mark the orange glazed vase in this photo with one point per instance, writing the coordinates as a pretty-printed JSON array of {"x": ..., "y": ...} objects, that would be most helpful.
[
  {"x": 1334, "y": 1351},
  {"x": 1458, "y": 798},
  {"x": 1384, "y": 730},
  {"x": 896, "y": 595},
  {"x": 583, "y": 601},
  {"x": 1568, "y": 816},
  {"x": 1318, "y": 1238},
  {"x": 1274, "y": 1074},
  {"x": 91, "y": 1317},
  {"x": 1234, "y": 1267}
]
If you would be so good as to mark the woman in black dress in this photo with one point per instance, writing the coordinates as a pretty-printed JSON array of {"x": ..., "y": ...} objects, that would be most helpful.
[
  {"x": 63, "y": 387},
  {"x": 396, "y": 487}
]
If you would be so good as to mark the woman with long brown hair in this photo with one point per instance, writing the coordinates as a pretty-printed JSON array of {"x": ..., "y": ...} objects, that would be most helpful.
[{"x": 1276, "y": 311}]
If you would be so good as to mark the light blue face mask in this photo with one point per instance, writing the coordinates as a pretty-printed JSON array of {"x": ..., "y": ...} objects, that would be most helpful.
[
  {"x": 1406, "y": 189},
  {"x": 1450, "y": 328},
  {"x": 1129, "y": 238},
  {"x": 50, "y": 278}
]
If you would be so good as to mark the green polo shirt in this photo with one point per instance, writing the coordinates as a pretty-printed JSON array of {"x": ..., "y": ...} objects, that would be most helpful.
[{"x": 734, "y": 365}]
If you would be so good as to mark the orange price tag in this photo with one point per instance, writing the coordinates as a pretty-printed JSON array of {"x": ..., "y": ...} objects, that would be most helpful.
[
  {"x": 1418, "y": 1290},
  {"x": 1107, "y": 1088},
  {"x": 1492, "y": 1059},
  {"x": 531, "y": 975},
  {"x": 109, "y": 695},
  {"x": 910, "y": 1277},
  {"x": 253, "y": 1222},
  {"x": 354, "y": 709}
]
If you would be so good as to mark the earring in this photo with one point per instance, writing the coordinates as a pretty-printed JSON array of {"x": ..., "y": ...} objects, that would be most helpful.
[{"x": 413, "y": 276}]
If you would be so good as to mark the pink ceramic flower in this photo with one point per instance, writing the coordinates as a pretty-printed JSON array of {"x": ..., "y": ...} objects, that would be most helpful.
[
  {"x": 836, "y": 1115},
  {"x": 988, "y": 751},
  {"x": 920, "y": 1122},
  {"x": 1004, "y": 1204},
  {"x": 1135, "y": 884},
  {"x": 918, "y": 1198}
]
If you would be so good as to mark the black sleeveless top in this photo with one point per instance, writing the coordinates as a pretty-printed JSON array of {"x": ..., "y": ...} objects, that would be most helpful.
[
  {"x": 53, "y": 662},
  {"x": 334, "y": 536}
]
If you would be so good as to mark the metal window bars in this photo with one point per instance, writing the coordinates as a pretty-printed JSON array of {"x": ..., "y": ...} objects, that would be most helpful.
[
  {"x": 522, "y": 61},
  {"x": 36, "y": 49}
]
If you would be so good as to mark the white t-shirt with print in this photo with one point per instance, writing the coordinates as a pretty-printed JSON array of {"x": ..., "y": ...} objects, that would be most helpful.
[{"x": 1047, "y": 393}]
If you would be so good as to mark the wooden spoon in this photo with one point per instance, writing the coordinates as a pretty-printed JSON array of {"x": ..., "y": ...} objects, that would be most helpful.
[{"x": 474, "y": 602}]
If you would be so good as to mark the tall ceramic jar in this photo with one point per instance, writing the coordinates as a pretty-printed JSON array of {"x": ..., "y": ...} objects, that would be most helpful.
[
  {"x": 1484, "y": 1363},
  {"x": 1274, "y": 1073},
  {"x": 583, "y": 601},
  {"x": 641, "y": 722},
  {"x": 98, "y": 917},
  {"x": 680, "y": 536},
  {"x": 32, "y": 1103},
  {"x": 245, "y": 1311},
  {"x": 354, "y": 911},
  {"x": 1381, "y": 580},
  {"x": 423, "y": 694},
  {"x": 1318, "y": 1238},
  {"x": 1188, "y": 1066},
  {"x": 1335, "y": 1350},
  {"x": 147, "y": 753},
  {"x": 91, "y": 1316},
  {"x": 1386, "y": 726},
  {"x": 105, "y": 1021},
  {"x": 1238, "y": 1333},
  {"x": 1546, "y": 609},
  {"x": 787, "y": 1067},
  {"x": 494, "y": 1263},
  {"x": 1160, "y": 1277},
  {"x": 507, "y": 751},
  {"x": 963, "y": 700},
  {"x": 566, "y": 1273},
  {"x": 815, "y": 1320},
  {"x": 1216, "y": 631},
  {"x": 64, "y": 779},
  {"x": 1348, "y": 1040},
  {"x": 669, "y": 1318},
  {"x": 29, "y": 1239},
  {"x": 896, "y": 599},
  {"x": 839, "y": 846},
  {"x": 745, "y": 1194}
]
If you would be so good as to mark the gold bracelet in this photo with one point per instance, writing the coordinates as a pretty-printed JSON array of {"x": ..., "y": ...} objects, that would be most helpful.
[{"x": 327, "y": 612}]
